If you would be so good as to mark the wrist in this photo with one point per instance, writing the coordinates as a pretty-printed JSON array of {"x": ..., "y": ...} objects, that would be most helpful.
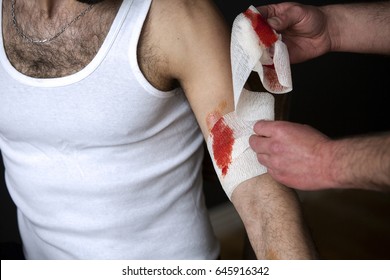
[
  {"x": 361, "y": 162},
  {"x": 330, "y": 159},
  {"x": 341, "y": 161},
  {"x": 333, "y": 24}
]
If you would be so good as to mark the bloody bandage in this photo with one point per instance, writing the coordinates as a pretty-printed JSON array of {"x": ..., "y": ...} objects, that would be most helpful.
[
  {"x": 254, "y": 47},
  {"x": 228, "y": 143}
]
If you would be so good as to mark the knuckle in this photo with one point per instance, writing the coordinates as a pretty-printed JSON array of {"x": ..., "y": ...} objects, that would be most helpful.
[
  {"x": 275, "y": 148},
  {"x": 280, "y": 128}
]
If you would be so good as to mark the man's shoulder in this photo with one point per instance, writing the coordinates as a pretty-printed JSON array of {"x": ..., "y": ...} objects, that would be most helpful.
[
  {"x": 171, "y": 11},
  {"x": 181, "y": 22},
  {"x": 176, "y": 33},
  {"x": 171, "y": 27},
  {"x": 180, "y": 4},
  {"x": 161, "y": 40}
]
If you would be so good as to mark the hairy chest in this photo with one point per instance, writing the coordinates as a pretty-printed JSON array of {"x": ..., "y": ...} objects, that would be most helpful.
[
  {"x": 65, "y": 55},
  {"x": 75, "y": 49},
  {"x": 49, "y": 62}
]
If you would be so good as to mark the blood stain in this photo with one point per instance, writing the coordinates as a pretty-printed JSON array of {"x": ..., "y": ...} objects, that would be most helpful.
[
  {"x": 223, "y": 141},
  {"x": 265, "y": 32}
]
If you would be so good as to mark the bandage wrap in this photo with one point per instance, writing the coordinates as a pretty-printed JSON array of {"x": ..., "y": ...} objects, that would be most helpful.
[
  {"x": 228, "y": 144},
  {"x": 254, "y": 47}
]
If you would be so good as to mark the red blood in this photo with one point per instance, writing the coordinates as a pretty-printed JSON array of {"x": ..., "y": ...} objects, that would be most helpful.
[
  {"x": 223, "y": 140},
  {"x": 266, "y": 35},
  {"x": 271, "y": 78}
]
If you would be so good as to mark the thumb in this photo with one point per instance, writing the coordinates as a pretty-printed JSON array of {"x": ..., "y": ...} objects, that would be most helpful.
[
  {"x": 282, "y": 16},
  {"x": 270, "y": 13},
  {"x": 275, "y": 23},
  {"x": 262, "y": 128}
]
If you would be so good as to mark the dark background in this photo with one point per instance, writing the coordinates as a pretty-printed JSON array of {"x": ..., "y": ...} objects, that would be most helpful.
[{"x": 341, "y": 95}]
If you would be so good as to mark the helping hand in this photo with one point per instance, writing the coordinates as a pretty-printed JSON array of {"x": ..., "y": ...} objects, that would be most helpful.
[
  {"x": 296, "y": 155},
  {"x": 304, "y": 29}
]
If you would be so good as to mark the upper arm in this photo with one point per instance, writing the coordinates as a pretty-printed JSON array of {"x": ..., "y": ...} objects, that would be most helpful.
[{"x": 197, "y": 45}]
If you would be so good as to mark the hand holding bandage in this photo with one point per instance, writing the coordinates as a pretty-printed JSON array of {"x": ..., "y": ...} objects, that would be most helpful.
[{"x": 254, "y": 47}]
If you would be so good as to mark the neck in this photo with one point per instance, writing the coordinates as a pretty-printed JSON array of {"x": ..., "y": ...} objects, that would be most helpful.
[
  {"x": 49, "y": 15},
  {"x": 51, "y": 8}
]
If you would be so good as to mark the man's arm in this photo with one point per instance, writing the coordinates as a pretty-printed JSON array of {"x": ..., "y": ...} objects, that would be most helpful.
[
  {"x": 197, "y": 46},
  {"x": 362, "y": 162},
  {"x": 315, "y": 162},
  {"x": 360, "y": 28},
  {"x": 272, "y": 218},
  {"x": 297, "y": 155},
  {"x": 310, "y": 31}
]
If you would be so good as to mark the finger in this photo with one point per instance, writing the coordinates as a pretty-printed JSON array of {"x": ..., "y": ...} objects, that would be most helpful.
[
  {"x": 263, "y": 159},
  {"x": 282, "y": 16},
  {"x": 269, "y": 13},
  {"x": 289, "y": 15},
  {"x": 275, "y": 23},
  {"x": 258, "y": 144},
  {"x": 265, "y": 11},
  {"x": 264, "y": 128}
]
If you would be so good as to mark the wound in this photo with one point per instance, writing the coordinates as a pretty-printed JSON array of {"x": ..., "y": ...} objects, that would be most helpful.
[
  {"x": 214, "y": 116},
  {"x": 265, "y": 32},
  {"x": 223, "y": 141}
]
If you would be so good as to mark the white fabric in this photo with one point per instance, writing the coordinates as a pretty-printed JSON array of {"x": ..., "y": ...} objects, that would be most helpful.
[
  {"x": 248, "y": 53},
  {"x": 100, "y": 164}
]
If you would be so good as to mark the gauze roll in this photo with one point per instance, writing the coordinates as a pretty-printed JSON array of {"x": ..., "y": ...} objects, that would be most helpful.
[
  {"x": 228, "y": 143},
  {"x": 254, "y": 47}
]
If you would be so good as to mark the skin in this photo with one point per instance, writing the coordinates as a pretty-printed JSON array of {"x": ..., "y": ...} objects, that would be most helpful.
[
  {"x": 187, "y": 44},
  {"x": 319, "y": 162},
  {"x": 310, "y": 31},
  {"x": 298, "y": 155},
  {"x": 214, "y": 95}
]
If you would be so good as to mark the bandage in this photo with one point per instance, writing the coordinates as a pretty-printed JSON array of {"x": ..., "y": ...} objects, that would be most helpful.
[{"x": 254, "y": 47}]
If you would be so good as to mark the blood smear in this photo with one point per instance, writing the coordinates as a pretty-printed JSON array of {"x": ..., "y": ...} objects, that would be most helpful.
[
  {"x": 271, "y": 78},
  {"x": 265, "y": 33},
  {"x": 223, "y": 140}
]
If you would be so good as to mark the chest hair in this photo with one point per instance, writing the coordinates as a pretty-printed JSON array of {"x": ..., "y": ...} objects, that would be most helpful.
[
  {"x": 67, "y": 54},
  {"x": 75, "y": 48}
]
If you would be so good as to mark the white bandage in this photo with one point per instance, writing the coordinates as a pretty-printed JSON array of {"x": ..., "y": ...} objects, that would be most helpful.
[
  {"x": 228, "y": 143},
  {"x": 254, "y": 47}
]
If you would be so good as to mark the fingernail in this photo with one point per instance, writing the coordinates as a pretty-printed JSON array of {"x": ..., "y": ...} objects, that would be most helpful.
[{"x": 273, "y": 21}]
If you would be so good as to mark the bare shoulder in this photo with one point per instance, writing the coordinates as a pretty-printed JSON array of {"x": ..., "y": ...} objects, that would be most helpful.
[
  {"x": 173, "y": 32},
  {"x": 181, "y": 21}
]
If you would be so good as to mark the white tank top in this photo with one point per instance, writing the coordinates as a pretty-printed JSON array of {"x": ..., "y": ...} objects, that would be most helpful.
[{"x": 101, "y": 164}]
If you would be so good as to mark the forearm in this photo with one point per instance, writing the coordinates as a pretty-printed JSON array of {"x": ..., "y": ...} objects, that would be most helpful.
[
  {"x": 361, "y": 162},
  {"x": 272, "y": 218},
  {"x": 361, "y": 28}
]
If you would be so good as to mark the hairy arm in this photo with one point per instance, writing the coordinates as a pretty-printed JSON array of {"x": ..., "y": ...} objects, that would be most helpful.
[
  {"x": 273, "y": 221},
  {"x": 311, "y": 31},
  {"x": 361, "y": 28},
  {"x": 197, "y": 44},
  {"x": 316, "y": 162},
  {"x": 361, "y": 162}
]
